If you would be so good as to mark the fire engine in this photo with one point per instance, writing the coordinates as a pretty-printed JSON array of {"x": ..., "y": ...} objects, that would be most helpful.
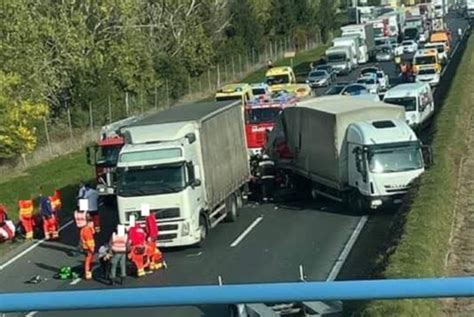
[
  {"x": 104, "y": 155},
  {"x": 260, "y": 117}
]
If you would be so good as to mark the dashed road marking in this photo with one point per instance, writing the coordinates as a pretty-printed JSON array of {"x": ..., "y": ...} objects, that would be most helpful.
[
  {"x": 346, "y": 250},
  {"x": 246, "y": 232}
]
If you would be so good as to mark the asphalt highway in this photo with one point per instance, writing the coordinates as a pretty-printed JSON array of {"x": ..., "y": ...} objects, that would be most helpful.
[{"x": 282, "y": 237}]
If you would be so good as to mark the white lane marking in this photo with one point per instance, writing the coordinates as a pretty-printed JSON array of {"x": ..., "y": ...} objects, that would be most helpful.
[
  {"x": 246, "y": 232},
  {"x": 31, "y": 314},
  {"x": 347, "y": 249},
  {"x": 32, "y": 247}
]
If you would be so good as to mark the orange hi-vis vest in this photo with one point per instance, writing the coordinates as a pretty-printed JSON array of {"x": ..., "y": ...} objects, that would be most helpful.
[
  {"x": 119, "y": 243},
  {"x": 26, "y": 208},
  {"x": 56, "y": 201},
  {"x": 87, "y": 238},
  {"x": 80, "y": 217}
]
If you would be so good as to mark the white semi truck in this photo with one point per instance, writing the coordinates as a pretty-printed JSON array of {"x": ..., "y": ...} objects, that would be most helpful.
[
  {"x": 351, "y": 150},
  {"x": 366, "y": 34},
  {"x": 189, "y": 164},
  {"x": 351, "y": 41}
]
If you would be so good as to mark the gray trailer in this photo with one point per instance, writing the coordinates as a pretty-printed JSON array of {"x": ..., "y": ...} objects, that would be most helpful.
[
  {"x": 345, "y": 147},
  {"x": 202, "y": 154}
]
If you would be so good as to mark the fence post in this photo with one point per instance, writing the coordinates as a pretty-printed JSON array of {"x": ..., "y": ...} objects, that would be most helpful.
[
  {"x": 142, "y": 107},
  {"x": 209, "y": 79},
  {"x": 240, "y": 65},
  {"x": 167, "y": 94},
  {"x": 91, "y": 119},
  {"x": 47, "y": 135},
  {"x": 218, "y": 82},
  {"x": 200, "y": 83},
  {"x": 189, "y": 84},
  {"x": 127, "y": 105},
  {"x": 156, "y": 97},
  {"x": 110, "y": 108},
  {"x": 225, "y": 76},
  {"x": 69, "y": 121}
]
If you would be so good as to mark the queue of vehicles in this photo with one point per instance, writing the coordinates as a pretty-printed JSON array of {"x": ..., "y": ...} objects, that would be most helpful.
[{"x": 177, "y": 161}]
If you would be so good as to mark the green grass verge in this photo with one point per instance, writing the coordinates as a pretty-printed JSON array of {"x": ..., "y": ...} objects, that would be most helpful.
[
  {"x": 424, "y": 243},
  {"x": 63, "y": 173}
]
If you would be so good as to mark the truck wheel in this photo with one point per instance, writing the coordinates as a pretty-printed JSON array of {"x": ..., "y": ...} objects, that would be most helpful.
[
  {"x": 356, "y": 203},
  {"x": 203, "y": 229},
  {"x": 231, "y": 209}
]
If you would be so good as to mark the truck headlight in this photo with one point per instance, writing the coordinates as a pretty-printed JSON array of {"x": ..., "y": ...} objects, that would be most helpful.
[
  {"x": 185, "y": 229},
  {"x": 375, "y": 203},
  {"x": 101, "y": 189}
]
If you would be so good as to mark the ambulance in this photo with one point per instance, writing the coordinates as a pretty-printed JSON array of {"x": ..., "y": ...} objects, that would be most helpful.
[
  {"x": 426, "y": 57},
  {"x": 242, "y": 92}
]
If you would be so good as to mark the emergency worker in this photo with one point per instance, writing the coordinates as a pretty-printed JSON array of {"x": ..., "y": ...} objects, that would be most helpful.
[
  {"x": 92, "y": 197},
  {"x": 26, "y": 217},
  {"x": 137, "y": 245},
  {"x": 50, "y": 227},
  {"x": 267, "y": 177},
  {"x": 118, "y": 246},
  {"x": 88, "y": 246}
]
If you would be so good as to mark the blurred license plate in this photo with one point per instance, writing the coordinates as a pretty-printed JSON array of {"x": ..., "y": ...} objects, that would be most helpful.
[{"x": 397, "y": 201}]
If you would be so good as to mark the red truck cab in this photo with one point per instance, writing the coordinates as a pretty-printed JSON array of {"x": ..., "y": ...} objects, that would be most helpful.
[{"x": 260, "y": 117}]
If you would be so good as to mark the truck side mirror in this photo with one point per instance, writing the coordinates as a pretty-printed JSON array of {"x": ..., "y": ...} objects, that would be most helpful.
[
  {"x": 197, "y": 176},
  {"x": 359, "y": 160},
  {"x": 91, "y": 154},
  {"x": 427, "y": 152}
]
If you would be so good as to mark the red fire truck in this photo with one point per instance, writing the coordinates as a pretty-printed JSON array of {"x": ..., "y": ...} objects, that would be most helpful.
[
  {"x": 104, "y": 155},
  {"x": 260, "y": 116}
]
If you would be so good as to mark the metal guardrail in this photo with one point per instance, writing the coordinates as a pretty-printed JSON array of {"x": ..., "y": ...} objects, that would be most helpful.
[{"x": 241, "y": 293}]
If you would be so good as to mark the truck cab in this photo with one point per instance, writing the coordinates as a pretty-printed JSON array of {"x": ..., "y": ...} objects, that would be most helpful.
[
  {"x": 440, "y": 47},
  {"x": 384, "y": 158},
  {"x": 260, "y": 117},
  {"x": 241, "y": 92},
  {"x": 279, "y": 77},
  {"x": 104, "y": 155},
  {"x": 442, "y": 37},
  {"x": 350, "y": 41},
  {"x": 416, "y": 98},
  {"x": 340, "y": 58}
]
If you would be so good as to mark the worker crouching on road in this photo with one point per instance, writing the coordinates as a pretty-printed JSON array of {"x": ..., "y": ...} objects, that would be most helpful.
[
  {"x": 26, "y": 217},
  {"x": 136, "y": 240},
  {"x": 118, "y": 246},
  {"x": 50, "y": 226},
  {"x": 88, "y": 246},
  {"x": 155, "y": 259}
]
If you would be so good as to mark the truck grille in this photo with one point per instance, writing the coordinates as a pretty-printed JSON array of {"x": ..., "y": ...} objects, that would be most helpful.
[
  {"x": 167, "y": 236},
  {"x": 396, "y": 188},
  {"x": 166, "y": 213},
  {"x": 168, "y": 227}
]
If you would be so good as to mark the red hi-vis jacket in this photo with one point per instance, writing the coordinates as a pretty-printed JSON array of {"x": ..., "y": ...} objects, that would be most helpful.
[
  {"x": 136, "y": 235},
  {"x": 26, "y": 208}
]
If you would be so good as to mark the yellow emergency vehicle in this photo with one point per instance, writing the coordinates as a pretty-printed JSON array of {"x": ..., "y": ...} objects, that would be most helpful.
[
  {"x": 426, "y": 57},
  {"x": 242, "y": 92},
  {"x": 283, "y": 78},
  {"x": 278, "y": 77}
]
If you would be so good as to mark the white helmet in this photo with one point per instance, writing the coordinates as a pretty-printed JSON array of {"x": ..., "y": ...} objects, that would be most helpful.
[{"x": 265, "y": 157}]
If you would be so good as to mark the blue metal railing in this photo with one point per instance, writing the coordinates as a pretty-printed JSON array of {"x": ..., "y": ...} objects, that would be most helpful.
[{"x": 242, "y": 293}]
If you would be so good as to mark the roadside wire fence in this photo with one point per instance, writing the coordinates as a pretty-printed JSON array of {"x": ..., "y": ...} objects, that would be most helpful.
[{"x": 72, "y": 128}]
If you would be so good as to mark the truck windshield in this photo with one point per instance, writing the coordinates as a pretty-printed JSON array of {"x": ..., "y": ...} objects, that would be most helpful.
[
  {"x": 261, "y": 115},
  {"x": 151, "y": 180},
  {"x": 258, "y": 91},
  {"x": 278, "y": 79},
  {"x": 336, "y": 57},
  {"x": 397, "y": 159},
  {"x": 425, "y": 60},
  {"x": 408, "y": 102},
  {"x": 411, "y": 33},
  {"x": 108, "y": 155},
  {"x": 225, "y": 98}
]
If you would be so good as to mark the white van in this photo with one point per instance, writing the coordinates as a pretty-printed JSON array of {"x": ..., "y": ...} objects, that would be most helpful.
[
  {"x": 351, "y": 41},
  {"x": 416, "y": 98}
]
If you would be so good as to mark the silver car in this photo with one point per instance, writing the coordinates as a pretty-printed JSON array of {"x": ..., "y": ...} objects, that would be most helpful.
[
  {"x": 384, "y": 54},
  {"x": 319, "y": 78}
]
